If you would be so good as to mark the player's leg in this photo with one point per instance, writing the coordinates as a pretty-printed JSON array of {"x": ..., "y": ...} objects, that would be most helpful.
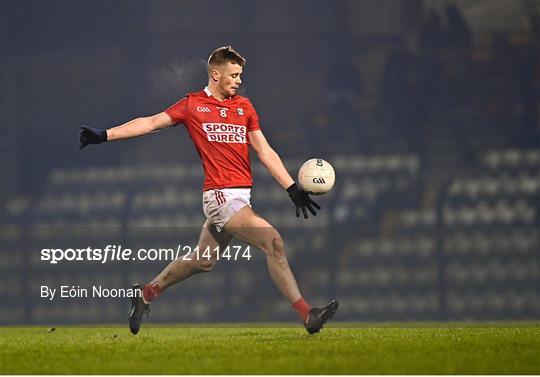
[
  {"x": 178, "y": 270},
  {"x": 253, "y": 229},
  {"x": 256, "y": 231},
  {"x": 210, "y": 239}
]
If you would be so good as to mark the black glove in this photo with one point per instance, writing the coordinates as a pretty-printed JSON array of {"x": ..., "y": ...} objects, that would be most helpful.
[
  {"x": 88, "y": 135},
  {"x": 302, "y": 201}
]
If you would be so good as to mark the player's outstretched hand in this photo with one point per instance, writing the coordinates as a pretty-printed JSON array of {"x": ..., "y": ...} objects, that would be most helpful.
[
  {"x": 89, "y": 135},
  {"x": 302, "y": 201}
]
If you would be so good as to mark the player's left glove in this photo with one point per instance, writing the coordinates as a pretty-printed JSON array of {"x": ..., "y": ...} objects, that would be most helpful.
[
  {"x": 89, "y": 135},
  {"x": 302, "y": 201}
]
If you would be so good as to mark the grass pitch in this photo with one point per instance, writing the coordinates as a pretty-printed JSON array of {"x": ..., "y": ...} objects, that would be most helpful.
[{"x": 458, "y": 348}]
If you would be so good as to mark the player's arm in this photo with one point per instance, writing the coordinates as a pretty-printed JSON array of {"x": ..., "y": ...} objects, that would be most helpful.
[
  {"x": 273, "y": 163},
  {"x": 270, "y": 159},
  {"x": 136, "y": 127},
  {"x": 139, "y": 127}
]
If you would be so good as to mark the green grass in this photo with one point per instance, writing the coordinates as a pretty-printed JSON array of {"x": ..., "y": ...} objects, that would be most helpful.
[{"x": 457, "y": 348}]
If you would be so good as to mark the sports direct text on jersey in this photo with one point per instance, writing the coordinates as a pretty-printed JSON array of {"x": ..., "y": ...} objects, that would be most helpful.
[{"x": 225, "y": 133}]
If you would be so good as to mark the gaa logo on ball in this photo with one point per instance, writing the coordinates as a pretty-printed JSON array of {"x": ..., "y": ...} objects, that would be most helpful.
[{"x": 316, "y": 176}]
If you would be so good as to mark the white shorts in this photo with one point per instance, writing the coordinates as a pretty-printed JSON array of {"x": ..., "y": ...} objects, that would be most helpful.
[{"x": 220, "y": 205}]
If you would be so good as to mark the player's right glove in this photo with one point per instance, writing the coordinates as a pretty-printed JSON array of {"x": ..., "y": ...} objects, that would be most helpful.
[
  {"x": 89, "y": 135},
  {"x": 302, "y": 201}
]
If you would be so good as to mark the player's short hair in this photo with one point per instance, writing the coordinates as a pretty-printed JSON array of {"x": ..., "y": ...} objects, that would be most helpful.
[{"x": 224, "y": 55}]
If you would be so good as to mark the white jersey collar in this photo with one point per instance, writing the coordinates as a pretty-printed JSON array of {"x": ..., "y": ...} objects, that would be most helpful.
[{"x": 207, "y": 91}]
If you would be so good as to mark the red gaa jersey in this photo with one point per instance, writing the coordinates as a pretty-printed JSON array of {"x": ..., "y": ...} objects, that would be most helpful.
[{"x": 219, "y": 130}]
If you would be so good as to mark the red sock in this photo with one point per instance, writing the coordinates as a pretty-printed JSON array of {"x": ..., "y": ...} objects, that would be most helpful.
[
  {"x": 303, "y": 308},
  {"x": 151, "y": 290}
]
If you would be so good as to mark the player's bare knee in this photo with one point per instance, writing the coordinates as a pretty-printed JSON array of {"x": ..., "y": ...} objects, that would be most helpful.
[
  {"x": 277, "y": 249},
  {"x": 205, "y": 265}
]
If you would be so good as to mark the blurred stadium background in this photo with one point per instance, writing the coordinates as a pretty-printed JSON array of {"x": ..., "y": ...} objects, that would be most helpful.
[{"x": 429, "y": 111}]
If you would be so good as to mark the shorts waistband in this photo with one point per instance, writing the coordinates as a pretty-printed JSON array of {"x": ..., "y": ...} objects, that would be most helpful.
[{"x": 232, "y": 187}]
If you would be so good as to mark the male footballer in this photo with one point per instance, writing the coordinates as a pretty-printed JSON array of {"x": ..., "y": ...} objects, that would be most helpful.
[{"x": 222, "y": 124}]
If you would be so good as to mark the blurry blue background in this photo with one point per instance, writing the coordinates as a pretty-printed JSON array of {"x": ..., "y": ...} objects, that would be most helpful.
[{"x": 429, "y": 111}]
